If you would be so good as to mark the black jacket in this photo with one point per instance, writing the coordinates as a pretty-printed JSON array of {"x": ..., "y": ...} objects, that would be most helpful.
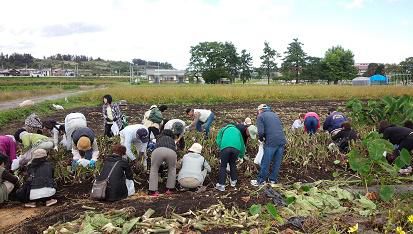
[
  {"x": 396, "y": 134},
  {"x": 166, "y": 141},
  {"x": 87, "y": 132},
  {"x": 41, "y": 173},
  {"x": 116, "y": 189},
  {"x": 343, "y": 138},
  {"x": 243, "y": 129}
]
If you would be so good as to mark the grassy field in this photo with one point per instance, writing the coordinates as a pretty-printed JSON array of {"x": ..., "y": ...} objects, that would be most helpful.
[{"x": 242, "y": 93}]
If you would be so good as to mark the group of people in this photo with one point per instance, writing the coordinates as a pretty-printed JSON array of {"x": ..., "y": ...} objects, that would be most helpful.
[{"x": 157, "y": 142}]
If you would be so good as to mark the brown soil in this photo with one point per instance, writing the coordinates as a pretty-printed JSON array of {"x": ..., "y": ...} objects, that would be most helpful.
[{"x": 72, "y": 198}]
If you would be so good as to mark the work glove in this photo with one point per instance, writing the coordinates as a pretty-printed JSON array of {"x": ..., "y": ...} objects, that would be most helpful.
[
  {"x": 56, "y": 148},
  {"x": 92, "y": 163}
]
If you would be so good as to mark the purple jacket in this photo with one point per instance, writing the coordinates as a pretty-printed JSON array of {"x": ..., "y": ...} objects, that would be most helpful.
[{"x": 8, "y": 147}]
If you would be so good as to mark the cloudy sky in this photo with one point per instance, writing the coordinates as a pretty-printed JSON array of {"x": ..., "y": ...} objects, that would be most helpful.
[{"x": 164, "y": 30}]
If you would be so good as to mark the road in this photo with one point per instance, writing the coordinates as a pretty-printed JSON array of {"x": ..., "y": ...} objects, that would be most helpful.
[{"x": 6, "y": 105}]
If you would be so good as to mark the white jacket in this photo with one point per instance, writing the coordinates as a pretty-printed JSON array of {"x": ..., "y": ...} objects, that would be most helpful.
[
  {"x": 192, "y": 167},
  {"x": 128, "y": 137}
]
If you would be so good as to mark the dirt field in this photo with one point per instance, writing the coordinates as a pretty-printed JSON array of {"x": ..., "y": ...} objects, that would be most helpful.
[{"x": 73, "y": 198}]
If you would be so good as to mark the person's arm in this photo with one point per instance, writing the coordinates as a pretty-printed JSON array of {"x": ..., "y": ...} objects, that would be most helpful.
[
  {"x": 9, "y": 177},
  {"x": 128, "y": 146},
  {"x": 26, "y": 141},
  {"x": 207, "y": 166},
  {"x": 95, "y": 154},
  {"x": 12, "y": 150},
  {"x": 75, "y": 152},
  {"x": 55, "y": 137},
  {"x": 196, "y": 119},
  {"x": 128, "y": 171},
  {"x": 260, "y": 127},
  {"x": 242, "y": 150},
  {"x": 143, "y": 147},
  {"x": 218, "y": 140}
]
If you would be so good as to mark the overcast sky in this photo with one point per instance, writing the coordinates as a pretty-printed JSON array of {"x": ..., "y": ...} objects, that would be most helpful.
[{"x": 164, "y": 30}]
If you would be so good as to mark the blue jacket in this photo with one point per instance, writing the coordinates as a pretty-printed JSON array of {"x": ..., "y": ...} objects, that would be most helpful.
[
  {"x": 270, "y": 129},
  {"x": 334, "y": 121}
]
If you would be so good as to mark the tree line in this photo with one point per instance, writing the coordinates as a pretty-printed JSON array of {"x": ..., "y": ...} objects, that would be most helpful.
[{"x": 215, "y": 60}]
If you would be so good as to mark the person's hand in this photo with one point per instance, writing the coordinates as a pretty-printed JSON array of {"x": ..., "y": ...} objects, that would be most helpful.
[
  {"x": 56, "y": 148},
  {"x": 92, "y": 163}
]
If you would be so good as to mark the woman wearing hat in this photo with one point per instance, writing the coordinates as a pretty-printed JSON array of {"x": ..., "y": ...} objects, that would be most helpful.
[
  {"x": 41, "y": 183},
  {"x": 194, "y": 168},
  {"x": 153, "y": 118},
  {"x": 165, "y": 152},
  {"x": 178, "y": 128},
  {"x": 117, "y": 180},
  {"x": 137, "y": 135},
  {"x": 85, "y": 146}
]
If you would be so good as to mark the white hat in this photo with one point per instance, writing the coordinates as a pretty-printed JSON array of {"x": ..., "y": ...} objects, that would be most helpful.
[
  {"x": 196, "y": 148},
  {"x": 153, "y": 106},
  {"x": 262, "y": 106},
  {"x": 247, "y": 121}
]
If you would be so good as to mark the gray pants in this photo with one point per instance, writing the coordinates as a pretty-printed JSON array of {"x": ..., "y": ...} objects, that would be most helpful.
[{"x": 160, "y": 155}]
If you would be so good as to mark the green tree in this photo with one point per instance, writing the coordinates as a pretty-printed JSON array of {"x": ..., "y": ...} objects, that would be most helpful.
[
  {"x": 268, "y": 64},
  {"x": 245, "y": 66},
  {"x": 339, "y": 64},
  {"x": 213, "y": 59},
  {"x": 313, "y": 70},
  {"x": 407, "y": 65},
  {"x": 294, "y": 60}
]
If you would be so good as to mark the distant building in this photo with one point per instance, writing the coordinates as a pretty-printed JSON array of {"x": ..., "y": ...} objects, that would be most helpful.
[
  {"x": 9, "y": 72},
  {"x": 165, "y": 76},
  {"x": 63, "y": 72},
  {"x": 361, "y": 68}
]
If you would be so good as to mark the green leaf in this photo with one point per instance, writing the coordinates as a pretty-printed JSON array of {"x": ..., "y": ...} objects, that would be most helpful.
[
  {"x": 386, "y": 193},
  {"x": 272, "y": 210},
  {"x": 305, "y": 188},
  {"x": 336, "y": 162},
  {"x": 404, "y": 159},
  {"x": 127, "y": 227},
  {"x": 290, "y": 200},
  {"x": 255, "y": 209}
]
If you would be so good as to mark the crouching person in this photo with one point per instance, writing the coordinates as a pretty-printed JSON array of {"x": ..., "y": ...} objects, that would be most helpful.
[
  {"x": 165, "y": 152},
  {"x": 31, "y": 142},
  {"x": 194, "y": 168},
  {"x": 40, "y": 185},
  {"x": 84, "y": 147},
  {"x": 231, "y": 147},
  {"x": 7, "y": 181},
  {"x": 116, "y": 170}
]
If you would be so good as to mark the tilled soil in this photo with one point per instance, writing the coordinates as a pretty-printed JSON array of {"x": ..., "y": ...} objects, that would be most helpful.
[{"x": 73, "y": 197}]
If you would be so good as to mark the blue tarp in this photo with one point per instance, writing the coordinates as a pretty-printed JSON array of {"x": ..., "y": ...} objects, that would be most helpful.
[{"x": 378, "y": 79}]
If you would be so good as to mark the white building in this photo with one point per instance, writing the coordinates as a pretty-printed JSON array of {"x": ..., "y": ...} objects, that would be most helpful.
[{"x": 166, "y": 76}]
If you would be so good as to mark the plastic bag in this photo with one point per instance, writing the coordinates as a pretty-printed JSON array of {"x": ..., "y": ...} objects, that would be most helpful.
[
  {"x": 259, "y": 155},
  {"x": 15, "y": 164},
  {"x": 115, "y": 129},
  {"x": 131, "y": 187}
]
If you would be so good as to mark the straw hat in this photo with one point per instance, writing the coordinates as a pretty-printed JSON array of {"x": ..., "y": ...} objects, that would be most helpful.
[
  {"x": 196, "y": 148},
  {"x": 84, "y": 144}
]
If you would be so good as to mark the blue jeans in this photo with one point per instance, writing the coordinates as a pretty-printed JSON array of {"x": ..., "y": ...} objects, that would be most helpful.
[
  {"x": 311, "y": 124},
  {"x": 201, "y": 126},
  {"x": 272, "y": 155}
]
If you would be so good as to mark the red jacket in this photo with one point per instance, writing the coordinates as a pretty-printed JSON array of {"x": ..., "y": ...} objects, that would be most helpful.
[{"x": 312, "y": 114}]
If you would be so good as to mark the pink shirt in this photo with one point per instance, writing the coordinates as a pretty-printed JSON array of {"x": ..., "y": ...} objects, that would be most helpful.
[
  {"x": 8, "y": 147},
  {"x": 312, "y": 114}
]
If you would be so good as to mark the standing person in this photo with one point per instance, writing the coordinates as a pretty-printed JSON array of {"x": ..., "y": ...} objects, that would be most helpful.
[
  {"x": 55, "y": 130},
  {"x": 270, "y": 131},
  {"x": 343, "y": 138},
  {"x": 117, "y": 179},
  {"x": 7, "y": 181},
  {"x": 73, "y": 121},
  {"x": 311, "y": 123},
  {"x": 202, "y": 120},
  {"x": 165, "y": 152},
  {"x": 33, "y": 124},
  {"x": 153, "y": 118},
  {"x": 178, "y": 128},
  {"x": 231, "y": 146},
  {"x": 194, "y": 168},
  {"x": 111, "y": 114},
  {"x": 401, "y": 137},
  {"x": 333, "y": 121},
  {"x": 138, "y": 135},
  {"x": 8, "y": 147},
  {"x": 31, "y": 142},
  {"x": 41, "y": 179},
  {"x": 85, "y": 146},
  {"x": 298, "y": 123}
]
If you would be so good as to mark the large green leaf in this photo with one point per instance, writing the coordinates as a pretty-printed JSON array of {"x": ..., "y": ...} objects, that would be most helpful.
[
  {"x": 272, "y": 210},
  {"x": 377, "y": 148},
  {"x": 358, "y": 164},
  {"x": 386, "y": 193},
  {"x": 255, "y": 209},
  {"x": 404, "y": 159}
]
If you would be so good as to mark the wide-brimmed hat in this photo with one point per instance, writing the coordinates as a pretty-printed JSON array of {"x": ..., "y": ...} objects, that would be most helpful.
[
  {"x": 196, "y": 148},
  {"x": 143, "y": 135},
  {"x": 39, "y": 153},
  {"x": 248, "y": 121},
  {"x": 252, "y": 131},
  {"x": 84, "y": 144},
  {"x": 262, "y": 107}
]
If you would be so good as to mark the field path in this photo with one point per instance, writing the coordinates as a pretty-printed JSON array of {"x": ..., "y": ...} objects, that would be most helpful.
[{"x": 37, "y": 99}]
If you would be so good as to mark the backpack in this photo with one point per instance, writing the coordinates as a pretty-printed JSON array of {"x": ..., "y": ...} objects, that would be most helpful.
[{"x": 155, "y": 116}]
